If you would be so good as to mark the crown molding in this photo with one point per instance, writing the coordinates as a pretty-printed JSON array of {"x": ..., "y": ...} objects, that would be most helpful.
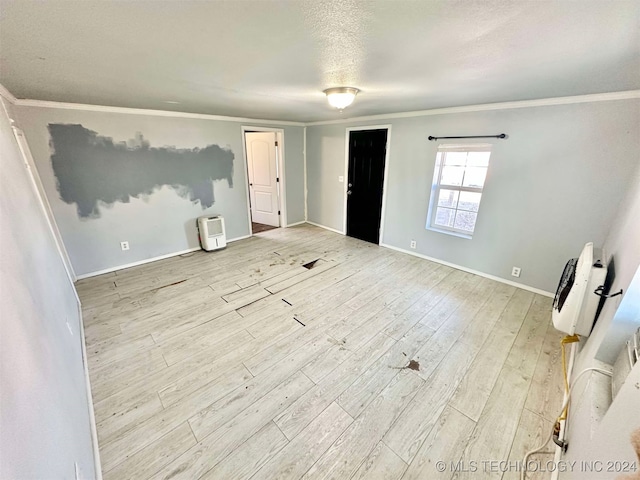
[
  {"x": 149, "y": 112},
  {"x": 543, "y": 102},
  {"x": 7, "y": 94}
]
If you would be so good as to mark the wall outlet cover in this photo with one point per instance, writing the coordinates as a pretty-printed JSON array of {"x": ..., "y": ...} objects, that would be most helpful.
[
  {"x": 413, "y": 244},
  {"x": 124, "y": 245},
  {"x": 515, "y": 271}
]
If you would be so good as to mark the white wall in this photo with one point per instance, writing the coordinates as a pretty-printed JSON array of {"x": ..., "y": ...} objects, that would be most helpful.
[
  {"x": 162, "y": 223},
  {"x": 623, "y": 244},
  {"x": 44, "y": 416},
  {"x": 607, "y": 438},
  {"x": 553, "y": 185}
]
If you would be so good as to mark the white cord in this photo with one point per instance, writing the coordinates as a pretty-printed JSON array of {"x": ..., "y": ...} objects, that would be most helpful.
[{"x": 564, "y": 405}]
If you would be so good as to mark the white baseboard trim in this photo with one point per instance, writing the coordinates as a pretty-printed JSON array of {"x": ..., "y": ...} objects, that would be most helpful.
[
  {"x": 135, "y": 264},
  {"x": 325, "y": 227},
  {"x": 237, "y": 238},
  {"x": 469, "y": 270},
  {"x": 296, "y": 223},
  {"x": 149, "y": 260},
  {"x": 92, "y": 415}
]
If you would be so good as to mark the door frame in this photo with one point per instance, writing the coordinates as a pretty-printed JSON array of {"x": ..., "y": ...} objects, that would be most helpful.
[
  {"x": 383, "y": 208},
  {"x": 282, "y": 197}
]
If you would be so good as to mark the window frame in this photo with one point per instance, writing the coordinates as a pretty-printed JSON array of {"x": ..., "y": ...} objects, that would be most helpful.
[{"x": 437, "y": 186}]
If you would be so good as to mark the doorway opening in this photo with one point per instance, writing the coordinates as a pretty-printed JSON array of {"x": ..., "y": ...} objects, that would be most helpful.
[
  {"x": 264, "y": 157},
  {"x": 366, "y": 172}
]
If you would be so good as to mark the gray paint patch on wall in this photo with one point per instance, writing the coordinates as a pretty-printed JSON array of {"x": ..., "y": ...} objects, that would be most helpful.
[{"x": 91, "y": 168}]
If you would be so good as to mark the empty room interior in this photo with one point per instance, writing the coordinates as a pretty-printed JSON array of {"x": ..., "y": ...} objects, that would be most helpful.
[{"x": 320, "y": 239}]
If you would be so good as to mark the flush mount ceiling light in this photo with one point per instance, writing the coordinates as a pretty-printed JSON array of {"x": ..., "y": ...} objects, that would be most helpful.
[{"x": 341, "y": 97}]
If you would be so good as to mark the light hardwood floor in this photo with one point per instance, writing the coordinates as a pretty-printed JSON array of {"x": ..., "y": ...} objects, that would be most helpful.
[{"x": 243, "y": 364}]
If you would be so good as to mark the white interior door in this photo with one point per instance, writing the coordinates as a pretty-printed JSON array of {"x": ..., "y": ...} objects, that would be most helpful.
[{"x": 263, "y": 177}]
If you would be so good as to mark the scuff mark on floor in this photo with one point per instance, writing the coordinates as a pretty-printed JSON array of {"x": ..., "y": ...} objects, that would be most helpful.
[
  {"x": 338, "y": 343},
  {"x": 412, "y": 365},
  {"x": 169, "y": 285}
]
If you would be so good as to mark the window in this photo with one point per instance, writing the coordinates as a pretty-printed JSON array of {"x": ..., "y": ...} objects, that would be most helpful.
[{"x": 458, "y": 181}]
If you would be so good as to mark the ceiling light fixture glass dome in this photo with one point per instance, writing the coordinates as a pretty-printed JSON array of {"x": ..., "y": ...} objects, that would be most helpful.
[{"x": 341, "y": 97}]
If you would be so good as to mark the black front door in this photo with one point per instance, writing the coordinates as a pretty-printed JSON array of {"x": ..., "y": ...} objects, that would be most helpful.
[{"x": 367, "y": 151}]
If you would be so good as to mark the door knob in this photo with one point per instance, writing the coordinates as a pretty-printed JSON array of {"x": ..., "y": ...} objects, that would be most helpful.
[
  {"x": 350, "y": 185},
  {"x": 348, "y": 192}
]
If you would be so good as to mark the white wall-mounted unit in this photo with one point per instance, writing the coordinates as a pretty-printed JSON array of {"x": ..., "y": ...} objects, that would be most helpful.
[
  {"x": 211, "y": 232},
  {"x": 576, "y": 303}
]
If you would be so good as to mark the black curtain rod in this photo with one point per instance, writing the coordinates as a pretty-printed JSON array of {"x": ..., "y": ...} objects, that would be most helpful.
[{"x": 502, "y": 135}]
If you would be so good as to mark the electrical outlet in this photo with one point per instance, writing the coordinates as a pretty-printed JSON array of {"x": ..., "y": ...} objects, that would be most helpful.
[
  {"x": 413, "y": 244},
  {"x": 515, "y": 272},
  {"x": 124, "y": 245},
  {"x": 341, "y": 179}
]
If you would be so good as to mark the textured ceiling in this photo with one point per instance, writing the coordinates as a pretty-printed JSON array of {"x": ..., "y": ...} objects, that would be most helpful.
[{"x": 272, "y": 59}]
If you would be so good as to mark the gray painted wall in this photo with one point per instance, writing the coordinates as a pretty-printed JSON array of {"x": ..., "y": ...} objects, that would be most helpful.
[
  {"x": 44, "y": 420},
  {"x": 94, "y": 171},
  {"x": 163, "y": 222},
  {"x": 294, "y": 172},
  {"x": 552, "y": 186}
]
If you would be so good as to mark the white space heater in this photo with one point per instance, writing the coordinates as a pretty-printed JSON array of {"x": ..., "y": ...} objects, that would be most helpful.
[
  {"x": 211, "y": 232},
  {"x": 577, "y": 297}
]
